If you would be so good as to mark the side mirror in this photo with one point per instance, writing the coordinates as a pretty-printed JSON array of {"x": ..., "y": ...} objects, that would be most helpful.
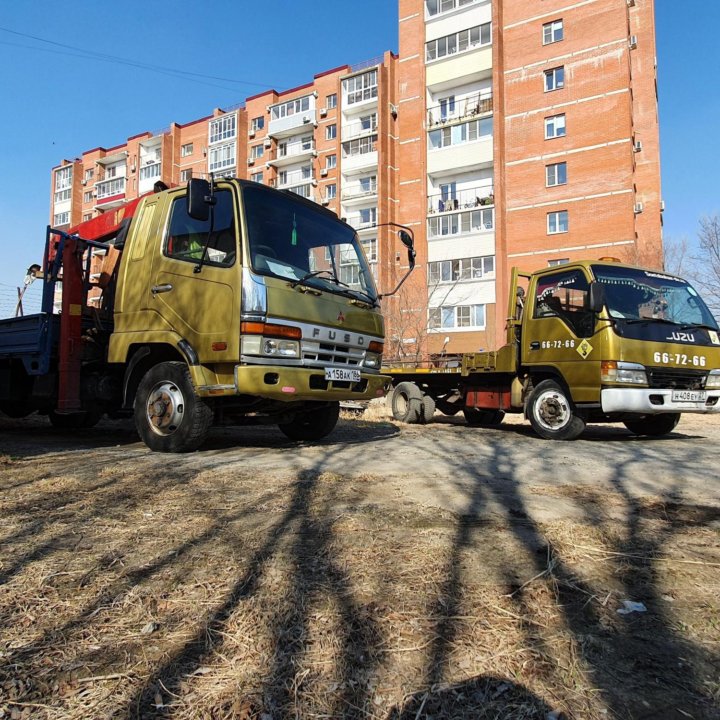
[
  {"x": 596, "y": 297},
  {"x": 198, "y": 199}
]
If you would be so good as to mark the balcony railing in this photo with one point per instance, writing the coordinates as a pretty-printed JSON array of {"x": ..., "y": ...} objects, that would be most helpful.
[
  {"x": 360, "y": 189},
  {"x": 296, "y": 177},
  {"x": 461, "y": 199},
  {"x": 358, "y": 128},
  {"x": 460, "y": 109},
  {"x": 297, "y": 148},
  {"x": 150, "y": 171},
  {"x": 461, "y": 223},
  {"x": 362, "y": 222},
  {"x": 110, "y": 188},
  {"x": 439, "y": 7}
]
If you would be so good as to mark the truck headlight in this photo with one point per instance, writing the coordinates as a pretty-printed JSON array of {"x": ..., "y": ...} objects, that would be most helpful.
[
  {"x": 622, "y": 372},
  {"x": 272, "y": 347},
  {"x": 372, "y": 360},
  {"x": 712, "y": 381}
]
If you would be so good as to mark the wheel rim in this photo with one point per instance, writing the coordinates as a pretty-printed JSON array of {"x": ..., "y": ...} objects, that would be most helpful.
[
  {"x": 552, "y": 410},
  {"x": 165, "y": 408}
]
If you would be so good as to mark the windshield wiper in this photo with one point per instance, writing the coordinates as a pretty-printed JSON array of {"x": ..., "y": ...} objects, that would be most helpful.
[
  {"x": 332, "y": 277},
  {"x": 634, "y": 321}
]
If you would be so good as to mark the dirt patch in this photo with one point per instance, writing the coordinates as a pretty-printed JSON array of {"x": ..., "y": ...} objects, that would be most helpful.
[{"x": 266, "y": 579}]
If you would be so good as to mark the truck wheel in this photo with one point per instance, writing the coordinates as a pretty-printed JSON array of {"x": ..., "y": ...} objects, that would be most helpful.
[
  {"x": 169, "y": 415},
  {"x": 406, "y": 402},
  {"x": 428, "y": 409},
  {"x": 314, "y": 423},
  {"x": 475, "y": 416},
  {"x": 552, "y": 413},
  {"x": 654, "y": 425},
  {"x": 75, "y": 421}
]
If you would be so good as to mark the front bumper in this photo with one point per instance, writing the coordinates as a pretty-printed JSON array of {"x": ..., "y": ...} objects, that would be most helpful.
[
  {"x": 289, "y": 384},
  {"x": 651, "y": 401}
]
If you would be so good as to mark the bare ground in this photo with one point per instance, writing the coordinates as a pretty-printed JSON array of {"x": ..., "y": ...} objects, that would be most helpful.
[{"x": 390, "y": 571}]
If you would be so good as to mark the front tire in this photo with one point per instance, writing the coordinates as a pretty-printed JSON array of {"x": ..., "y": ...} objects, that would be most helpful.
[
  {"x": 407, "y": 403},
  {"x": 313, "y": 423},
  {"x": 169, "y": 415},
  {"x": 654, "y": 425},
  {"x": 552, "y": 413}
]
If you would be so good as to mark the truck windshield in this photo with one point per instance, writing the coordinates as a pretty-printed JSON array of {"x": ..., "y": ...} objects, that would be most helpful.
[
  {"x": 644, "y": 295},
  {"x": 292, "y": 240}
]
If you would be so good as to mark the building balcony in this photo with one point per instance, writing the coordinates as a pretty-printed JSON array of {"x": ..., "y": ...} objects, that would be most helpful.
[
  {"x": 293, "y": 153},
  {"x": 480, "y": 196},
  {"x": 363, "y": 190},
  {"x": 110, "y": 193},
  {"x": 459, "y": 69},
  {"x": 359, "y": 162},
  {"x": 150, "y": 173},
  {"x": 292, "y": 124},
  {"x": 472, "y": 155},
  {"x": 360, "y": 128},
  {"x": 363, "y": 221},
  {"x": 294, "y": 178},
  {"x": 459, "y": 110},
  {"x": 457, "y": 224}
]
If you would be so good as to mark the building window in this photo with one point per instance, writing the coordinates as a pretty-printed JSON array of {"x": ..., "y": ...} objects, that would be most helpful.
[
  {"x": 459, "y": 316},
  {"x": 552, "y": 32},
  {"x": 62, "y": 218},
  {"x": 185, "y": 175},
  {"x": 331, "y": 132},
  {"x": 257, "y": 123},
  {"x": 559, "y": 261},
  {"x": 458, "y": 42},
  {"x": 221, "y": 157},
  {"x": 556, "y": 174},
  {"x": 331, "y": 101},
  {"x": 555, "y": 126},
  {"x": 87, "y": 216},
  {"x": 557, "y": 222},
  {"x": 451, "y": 271},
  {"x": 63, "y": 178},
  {"x": 360, "y": 146},
  {"x": 257, "y": 177},
  {"x": 223, "y": 128},
  {"x": 289, "y": 108},
  {"x": 437, "y": 7},
  {"x": 256, "y": 151},
  {"x": 89, "y": 174},
  {"x": 331, "y": 192},
  {"x": 330, "y": 161},
  {"x": 462, "y": 133},
  {"x": 370, "y": 248},
  {"x": 360, "y": 87},
  {"x": 554, "y": 79},
  {"x": 461, "y": 223},
  {"x": 87, "y": 196},
  {"x": 186, "y": 149},
  {"x": 63, "y": 195}
]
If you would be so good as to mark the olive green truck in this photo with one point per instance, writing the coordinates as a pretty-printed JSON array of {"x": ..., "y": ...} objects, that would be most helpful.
[{"x": 587, "y": 342}]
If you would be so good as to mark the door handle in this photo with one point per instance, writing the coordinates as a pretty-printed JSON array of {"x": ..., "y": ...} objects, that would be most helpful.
[{"x": 157, "y": 289}]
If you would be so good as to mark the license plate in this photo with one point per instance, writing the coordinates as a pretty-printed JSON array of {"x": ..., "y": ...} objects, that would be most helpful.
[
  {"x": 689, "y": 396},
  {"x": 342, "y": 374}
]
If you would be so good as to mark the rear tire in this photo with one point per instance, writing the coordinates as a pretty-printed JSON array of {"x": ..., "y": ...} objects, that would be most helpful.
[
  {"x": 428, "y": 409},
  {"x": 552, "y": 413},
  {"x": 169, "y": 415},
  {"x": 654, "y": 425},
  {"x": 406, "y": 401},
  {"x": 313, "y": 423},
  {"x": 476, "y": 416}
]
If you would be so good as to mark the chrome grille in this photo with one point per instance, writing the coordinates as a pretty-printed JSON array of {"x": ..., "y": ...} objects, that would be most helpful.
[
  {"x": 324, "y": 354},
  {"x": 676, "y": 378}
]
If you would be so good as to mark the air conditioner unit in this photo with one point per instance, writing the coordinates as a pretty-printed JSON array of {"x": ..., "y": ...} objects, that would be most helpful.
[
  {"x": 662, "y": 206},
  {"x": 314, "y": 183},
  {"x": 251, "y": 134},
  {"x": 325, "y": 201},
  {"x": 633, "y": 42},
  {"x": 323, "y": 172},
  {"x": 638, "y": 208},
  {"x": 251, "y": 161},
  {"x": 306, "y": 118},
  {"x": 631, "y": 3},
  {"x": 323, "y": 112},
  {"x": 638, "y": 146},
  {"x": 268, "y": 142},
  {"x": 83, "y": 182}
]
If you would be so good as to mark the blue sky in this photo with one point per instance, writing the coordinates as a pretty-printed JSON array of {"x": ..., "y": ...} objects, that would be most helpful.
[{"x": 57, "y": 103}]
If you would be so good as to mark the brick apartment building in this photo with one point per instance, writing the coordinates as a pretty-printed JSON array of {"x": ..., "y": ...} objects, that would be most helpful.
[{"x": 505, "y": 132}]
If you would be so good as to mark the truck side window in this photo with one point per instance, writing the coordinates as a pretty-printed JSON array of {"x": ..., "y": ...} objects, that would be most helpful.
[
  {"x": 186, "y": 236},
  {"x": 564, "y": 295}
]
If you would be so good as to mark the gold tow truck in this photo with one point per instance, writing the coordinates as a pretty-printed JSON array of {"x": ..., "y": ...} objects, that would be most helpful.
[{"x": 588, "y": 342}]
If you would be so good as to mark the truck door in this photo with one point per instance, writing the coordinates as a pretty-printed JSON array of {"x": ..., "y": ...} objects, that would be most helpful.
[
  {"x": 203, "y": 307},
  {"x": 559, "y": 332}
]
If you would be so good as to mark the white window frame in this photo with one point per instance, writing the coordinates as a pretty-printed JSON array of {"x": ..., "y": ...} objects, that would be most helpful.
[
  {"x": 63, "y": 178},
  {"x": 222, "y": 157},
  {"x": 186, "y": 175},
  {"x": 360, "y": 88},
  {"x": 330, "y": 161},
  {"x": 331, "y": 191},
  {"x": 186, "y": 149},
  {"x": 461, "y": 133},
  {"x": 331, "y": 101},
  {"x": 222, "y": 128},
  {"x": 61, "y": 218},
  {"x": 551, "y": 122},
  {"x": 465, "y": 222},
  {"x": 554, "y": 222},
  {"x": 552, "y": 32},
  {"x": 470, "y": 269},
  {"x": 331, "y": 132},
  {"x": 459, "y": 42},
  {"x": 450, "y": 317},
  {"x": 257, "y": 151},
  {"x": 553, "y": 172},
  {"x": 359, "y": 146},
  {"x": 257, "y": 123},
  {"x": 289, "y": 108},
  {"x": 551, "y": 81},
  {"x": 445, "y": 6}
]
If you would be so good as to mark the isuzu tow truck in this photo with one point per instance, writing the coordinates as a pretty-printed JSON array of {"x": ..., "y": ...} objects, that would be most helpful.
[
  {"x": 588, "y": 342},
  {"x": 228, "y": 302}
]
